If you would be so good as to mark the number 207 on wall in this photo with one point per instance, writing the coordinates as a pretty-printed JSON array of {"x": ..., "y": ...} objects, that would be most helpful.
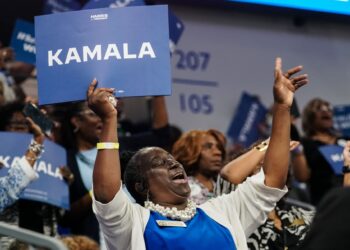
[{"x": 192, "y": 60}]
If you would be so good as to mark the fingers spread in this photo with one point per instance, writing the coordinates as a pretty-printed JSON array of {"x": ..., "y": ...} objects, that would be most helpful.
[
  {"x": 299, "y": 78},
  {"x": 294, "y": 70},
  {"x": 300, "y": 83}
]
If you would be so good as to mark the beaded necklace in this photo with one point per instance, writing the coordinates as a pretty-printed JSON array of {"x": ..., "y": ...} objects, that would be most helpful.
[{"x": 173, "y": 213}]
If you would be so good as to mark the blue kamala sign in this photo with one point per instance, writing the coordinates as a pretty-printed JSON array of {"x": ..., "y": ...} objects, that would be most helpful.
[
  {"x": 50, "y": 187},
  {"x": 124, "y": 48}
]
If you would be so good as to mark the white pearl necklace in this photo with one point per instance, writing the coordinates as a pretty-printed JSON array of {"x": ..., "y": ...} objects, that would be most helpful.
[{"x": 173, "y": 213}]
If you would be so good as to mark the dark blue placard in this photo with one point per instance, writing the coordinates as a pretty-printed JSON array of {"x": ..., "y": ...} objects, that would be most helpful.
[
  {"x": 341, "y": 116},
  {"x": 176, "y": 28},
  {"x": 72, "y": 38},
  {"x": 56, "y": 6},
  {"x": 94, "y": 4},
  {"x": 334, "y": 156},
  {"x": 244, "y": 125},
  {"x": 49, "y": 187},
  {"x": 23, "y": 41}
]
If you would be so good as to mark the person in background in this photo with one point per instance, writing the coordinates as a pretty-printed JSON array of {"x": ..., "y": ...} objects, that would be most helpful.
[
  {"x": 317, "y": 122},
  {"x": 28, "y": 214},
  {"x": 202, "y": 153},
  {"x": 21, "y": 175},
  {"x": 329, "y": 229},
  {"x": 287, "y": 224}
]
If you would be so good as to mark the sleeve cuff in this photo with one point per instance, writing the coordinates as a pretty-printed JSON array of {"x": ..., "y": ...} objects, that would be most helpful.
[
  {"x": 27, "y": 169},
  {"x": 258, "y": 181},
  {"x": 116, "y": 204}
]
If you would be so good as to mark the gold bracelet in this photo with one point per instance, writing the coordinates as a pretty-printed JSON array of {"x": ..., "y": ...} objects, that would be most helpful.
[
  {"x": 262, "y": 146},
  {"x": 107, "y": 145}
]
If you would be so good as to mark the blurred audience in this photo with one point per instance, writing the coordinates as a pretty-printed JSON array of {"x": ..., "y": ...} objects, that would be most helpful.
[{"x": 317, "y": 122}]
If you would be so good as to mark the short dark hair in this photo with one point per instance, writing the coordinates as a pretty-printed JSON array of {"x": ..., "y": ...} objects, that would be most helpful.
[{"x": 135, "y": 172}]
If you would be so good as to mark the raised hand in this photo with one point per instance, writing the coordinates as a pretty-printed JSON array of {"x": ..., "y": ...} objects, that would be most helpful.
[
  {"x": 102, "y": 101},
  {"x": 285, "y": 84},
  {"x": 36, "y": 130}
]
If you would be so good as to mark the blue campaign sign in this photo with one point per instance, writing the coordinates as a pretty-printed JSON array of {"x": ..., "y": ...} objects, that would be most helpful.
[
  {"x": 334, "y": 156},
  {"x": 176, "y": 28},
  {"x": 94, "y": 4},
  {"x": 23, "y": 41},
  {"x": 49, "y": 187},
  {"x": 56, "y": 6},
  {"x": 341, "y": 116},
  {"x": 123, "y": 48},
  {"x": 244, "y": 125}
]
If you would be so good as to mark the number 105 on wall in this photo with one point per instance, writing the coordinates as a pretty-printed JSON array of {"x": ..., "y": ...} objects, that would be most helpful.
[{"x": 196, "y": 104}]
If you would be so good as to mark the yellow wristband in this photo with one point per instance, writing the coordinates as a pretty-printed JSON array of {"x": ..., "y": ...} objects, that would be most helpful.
[
  {"x": 91, "y": 193},
  {"x": 107, "y": 145}
]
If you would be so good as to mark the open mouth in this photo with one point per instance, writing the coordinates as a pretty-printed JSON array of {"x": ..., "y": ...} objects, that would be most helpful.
[
  {"x": 326, "y": 117},
  {"x": 99, "y": 127},
  {"x": 179, "y": 177}
]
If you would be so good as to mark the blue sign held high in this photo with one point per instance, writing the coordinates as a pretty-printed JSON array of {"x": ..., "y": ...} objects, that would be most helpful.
[
  {"x": 49, "y": 187},
  {"x": 123, "y": 48},
  {"x": 23, "y": 41},
  {"x": 250, "y": 112}
]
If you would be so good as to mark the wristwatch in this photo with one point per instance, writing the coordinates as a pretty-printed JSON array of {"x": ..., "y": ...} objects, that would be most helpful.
[{"x": 346, "y": 169}]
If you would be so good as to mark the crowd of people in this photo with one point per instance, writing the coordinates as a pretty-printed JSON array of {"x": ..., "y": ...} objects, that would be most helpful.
[{"x": 156, "y": 188}]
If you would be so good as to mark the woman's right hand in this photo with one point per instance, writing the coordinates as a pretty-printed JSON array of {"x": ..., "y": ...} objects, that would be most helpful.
[{"x": 101, "y": 102}]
